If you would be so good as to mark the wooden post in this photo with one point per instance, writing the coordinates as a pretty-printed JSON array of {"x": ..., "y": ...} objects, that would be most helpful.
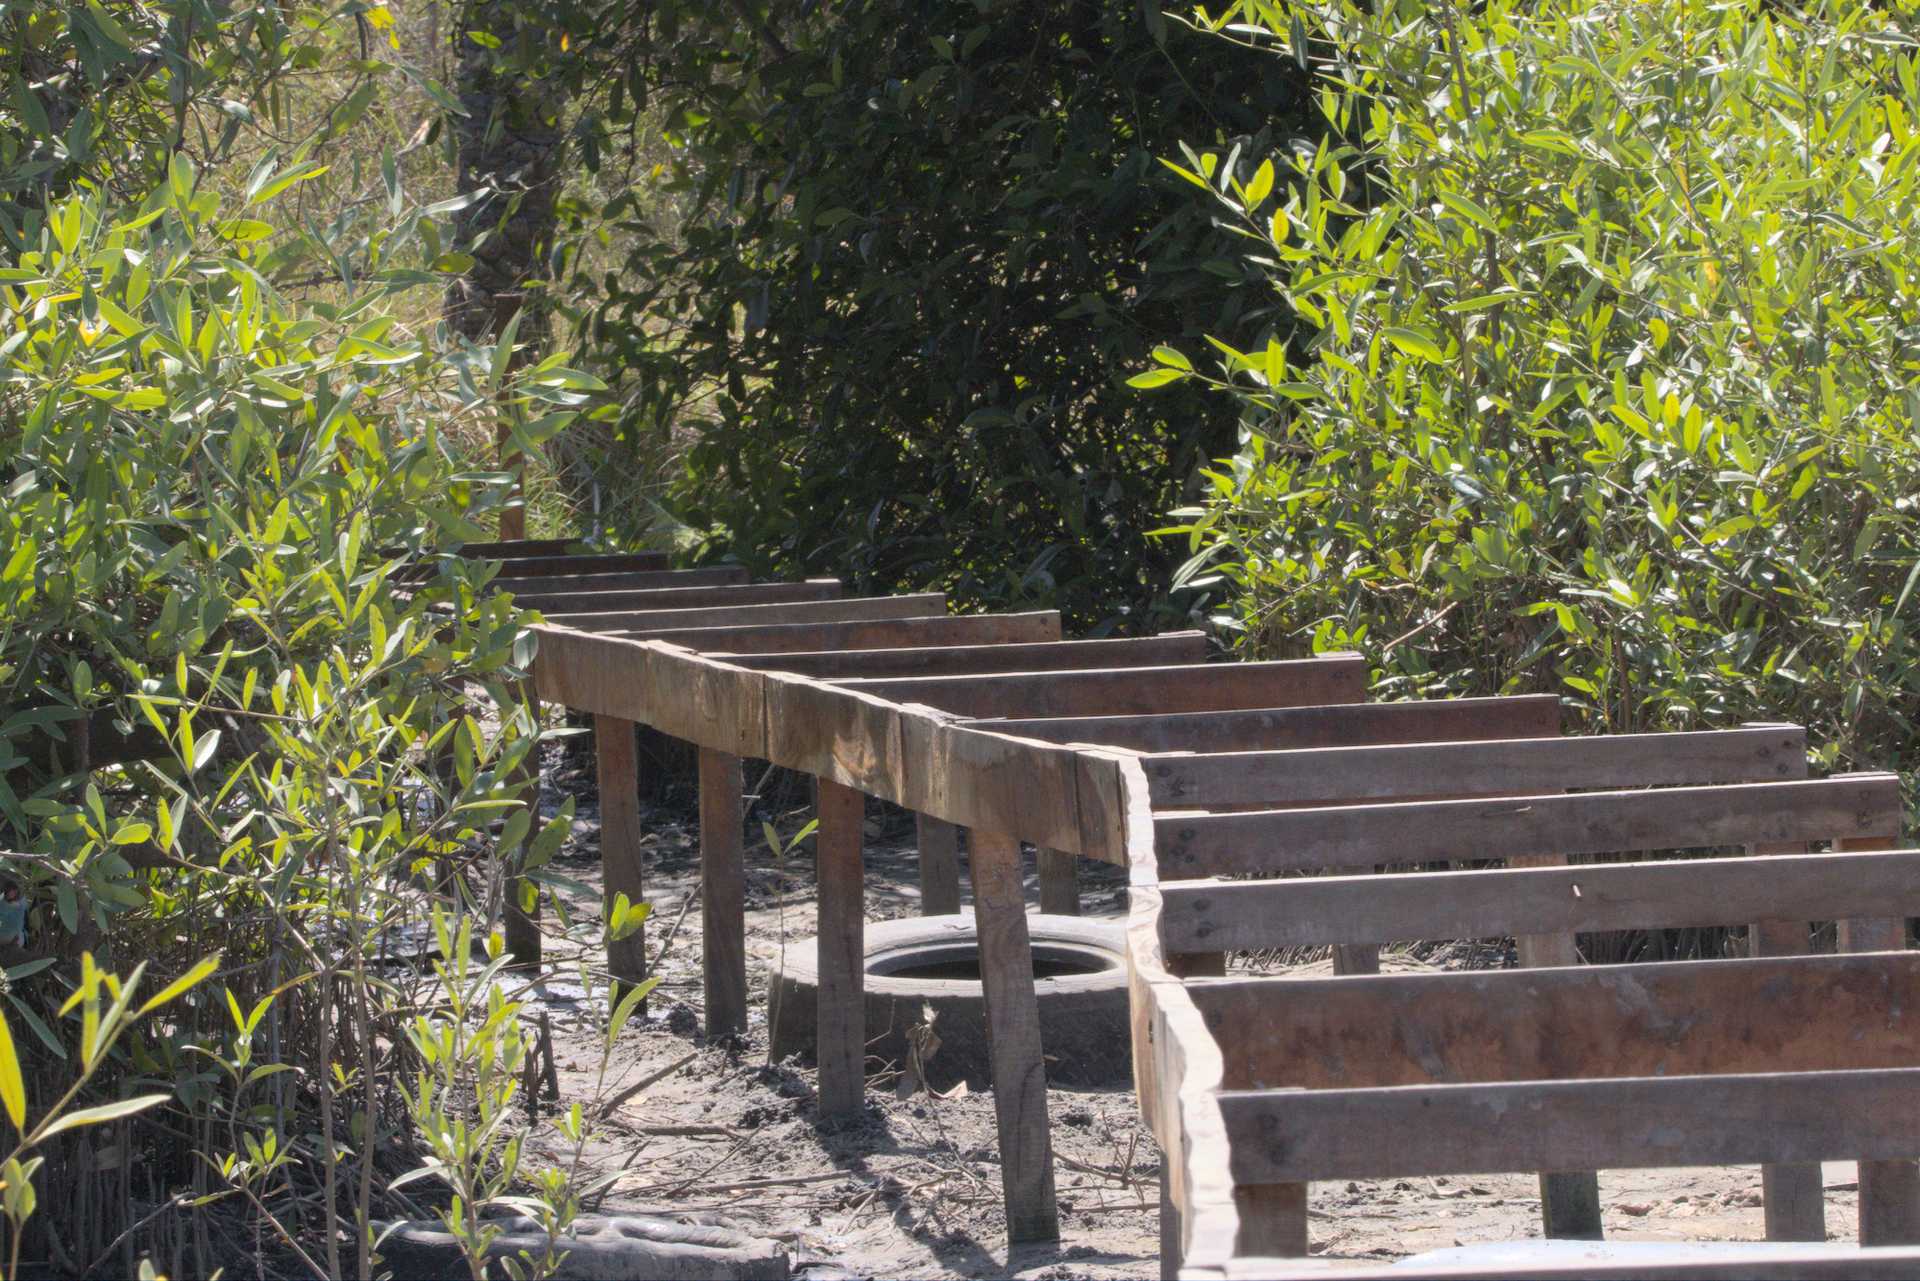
[
  {"x": 1889, "y": 1190},
  {"x": 1013, "y": 1038},
  {"x": 1059, "y": 882},
  {"x": 521, "y": 927},
  {"x": 1793, "y": 1194},
  {"x": 1569, "y": 1200},
  {"x": 939, "y": 865},
  {"x": 1273, "y": 1220},
  {"x": 1356, "y": 958},
  {"x": 723, "y": 893},
  {"x": 617, "y": 756},
  {"x": 841, "y": 1013}
]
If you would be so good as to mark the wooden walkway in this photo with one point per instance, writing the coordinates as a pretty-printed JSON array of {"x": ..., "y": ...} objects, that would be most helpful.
[{"x": 1361, "y": 824}]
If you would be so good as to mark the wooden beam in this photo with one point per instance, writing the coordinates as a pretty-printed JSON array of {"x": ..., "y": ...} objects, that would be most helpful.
[
  {"x": 723, "y": 889},
  {"x": 1194, "y": 845},
  {"x": 1793, "y": 1197},
  {"x": 635, "y": 580},
  {"x": 1318, "y": 911},
  {"x": 1665, "y": 1019},
  {"x": 563, "y": 603},
  {"x": 1137, "y": 690},
  {"x": 841, "y": 1014},
  {"x": 1292, "y": 1136},
  {"x": 595, "y": 563},
  {"x": 617, "y": 756},
  {"x": 1729, "y": 1261},
  {"x": 1889, "y": 1189},
  {"x": 851, "y": 609},
  {"x": 939, "y": 865},
  {"x": 1311, "y": 775},
  {"x": 1059, "y": 875},
  {"x": 933, "y": 629},
  {"x": 517, "y": 548},
  {"x": 948, "y": 660},
  {"x": 1269, "y": 729},
  {"x": 1013, "y": 1039}
]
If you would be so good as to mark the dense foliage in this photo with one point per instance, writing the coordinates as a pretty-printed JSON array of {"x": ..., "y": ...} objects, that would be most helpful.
[
  {"x": 250, "y": 736},
  {"x": 1604, "y": 375},
  {"x": 892, "y": 272}
]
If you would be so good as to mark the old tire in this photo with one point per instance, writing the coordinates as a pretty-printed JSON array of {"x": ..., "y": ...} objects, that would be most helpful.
[{"x": 1080, "y": 984}]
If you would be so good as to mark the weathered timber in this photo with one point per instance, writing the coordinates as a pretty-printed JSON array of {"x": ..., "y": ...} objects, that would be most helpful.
[
  {"x": 1665, "y": 1019},
  {"x": 1302, "y": 776},
  {"x": 632, "y": 580},
  {"x": 599, "y": 563},
  {"x": 1272, "y": 729},
  {"x": 939, "y": 629},
  {"x": 1317, "y": 911},
  {"x": 1059, "y": 875},
  {"x": 1013, "y": 1039},
  {"x": 1890, "y": 1188},
  {"x": 1176, "y": 647},
  {"x": 563, "y": 604},
  {"x": 939, "y": 844},
  {"x": 1291, "y": 1136},
  {"x": 1192, "y": 845},
  {"x": 722, "y": 893},
  {"x": 616, "y": 754},
  {"x": 849, "y": 609},
  {"x": 841, "y": 1011},
  {"x": 1203, "y": 687}
]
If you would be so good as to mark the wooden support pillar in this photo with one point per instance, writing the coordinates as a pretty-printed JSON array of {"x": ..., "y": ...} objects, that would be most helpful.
[
  {"x": 723, "y": 893},
  {"x": 522, "y": 927},
  {"x": 841, "y": 1012},
  {"x": 1059, "y": 882},
  {"x": 1013, "y": 1038},
  {"x": 1356, "y": 958},
  {"x": 939, "y": 865},
  {"x": 617, "y": 755},
  {"x": 1273, "y": 1220},
  {"x": 1569, "y": 1200},
  {"x": 1793, "y": 1194},
  {"x": 1889, "y": 1190}
]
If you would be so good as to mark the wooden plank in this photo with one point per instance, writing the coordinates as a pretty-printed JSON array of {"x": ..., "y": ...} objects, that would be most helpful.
[
  {"x": 1889, "y": 1189},
  {"x": 723, "y": 888},
  {"x": 1291, "y": 1136},
  {"x": 850, "y": 609},
  {"x": 595, "y": 563},
  {"x": 1729, "y": 1261},
  {"x": 931, "y": 629},
  {"x": 616, "y": 754},
  {"x": 1672, "y": 1018},
  {"x": 841, "y": 1016},
  {"x": 632, "y": 580},
  {"x": 1059, "y": 875},
  {"x": 1027, "y": 790},
  {"x": 1273, "y": 1219},
  {"x": 1271, "y": 729},
  {"x": 939, "y": 844},
  {"x": 1318, "y": 911},
  {"x": 563, "y": 603},
  {"x": 517, "y": 548},
  {"x": 1013, "y": 1039},
  {"x": 1200, "y": 687},
  {"x": 1461, "y": 768},
  {"x": 1193, "y": 845},
  {"x": 1176, "y": 647},
  {"x": 851, "y": 739}
]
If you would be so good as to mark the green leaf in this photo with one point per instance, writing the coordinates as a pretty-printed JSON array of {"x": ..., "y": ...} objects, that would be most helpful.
[
  {"x": 103, "y": 1114},
  {"x": 13, "y": 1090},
  {"x": 1415, "y": 342},
  {"x": 181, "y": 985},
  {"x": 1155, "y": 378}
]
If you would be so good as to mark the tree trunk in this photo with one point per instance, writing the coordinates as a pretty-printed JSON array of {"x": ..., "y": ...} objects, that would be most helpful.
[{"x": 509, "y": 149}]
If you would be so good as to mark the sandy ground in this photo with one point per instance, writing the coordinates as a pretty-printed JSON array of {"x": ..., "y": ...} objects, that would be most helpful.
[{"x": 913, "y": 1189}]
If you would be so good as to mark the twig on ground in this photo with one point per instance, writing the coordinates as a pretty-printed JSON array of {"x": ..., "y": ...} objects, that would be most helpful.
[{"x": 646, "y": 1082}]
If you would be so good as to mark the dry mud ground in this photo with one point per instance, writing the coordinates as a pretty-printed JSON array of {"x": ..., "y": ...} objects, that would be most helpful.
[{"x": 913, "y": 1189}]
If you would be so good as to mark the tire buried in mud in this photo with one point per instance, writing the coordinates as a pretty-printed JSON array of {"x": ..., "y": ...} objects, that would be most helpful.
[{"x": 934, "y": 961}]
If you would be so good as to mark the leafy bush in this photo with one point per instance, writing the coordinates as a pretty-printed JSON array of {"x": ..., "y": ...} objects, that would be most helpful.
[
  {"x": 890, "y": 279},
  {"x": 241, "y": 712},
  {"x": 1604, "y": 373}
]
